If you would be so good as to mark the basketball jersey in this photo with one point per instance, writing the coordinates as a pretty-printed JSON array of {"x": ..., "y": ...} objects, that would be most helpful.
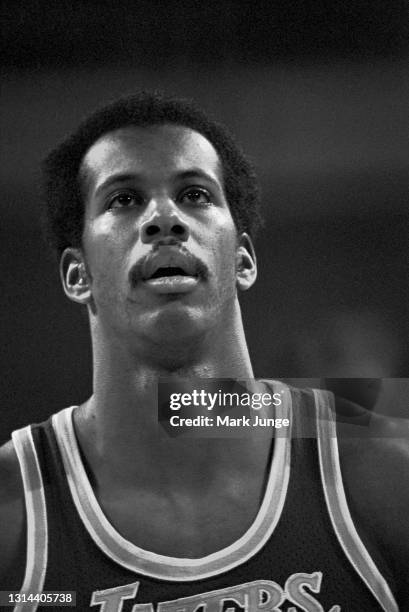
[{"x": 301, "y": 553}]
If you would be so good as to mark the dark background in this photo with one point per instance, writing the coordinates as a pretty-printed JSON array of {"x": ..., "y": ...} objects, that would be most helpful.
[{"x": 316, "y": 92}]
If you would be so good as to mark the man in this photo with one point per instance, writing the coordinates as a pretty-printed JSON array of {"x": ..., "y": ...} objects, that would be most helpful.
[{"x": 152, "y": 209}]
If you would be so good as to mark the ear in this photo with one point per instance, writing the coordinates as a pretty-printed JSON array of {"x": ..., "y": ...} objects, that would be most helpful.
[
  {"x": 74, "y": 276},
  {"x": 246, "y": 263}
]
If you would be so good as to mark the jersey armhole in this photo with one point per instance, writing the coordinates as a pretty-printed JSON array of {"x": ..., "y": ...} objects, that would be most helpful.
[
  {"x": 36, "y": 512},
  {"x": 337, "y": 504}
]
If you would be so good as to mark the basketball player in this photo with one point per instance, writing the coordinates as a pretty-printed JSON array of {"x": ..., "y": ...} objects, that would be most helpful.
[{"x": 152, "y": 209}]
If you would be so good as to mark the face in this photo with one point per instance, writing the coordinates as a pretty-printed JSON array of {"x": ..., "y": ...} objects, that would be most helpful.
[{"x": 160, "y": 248}]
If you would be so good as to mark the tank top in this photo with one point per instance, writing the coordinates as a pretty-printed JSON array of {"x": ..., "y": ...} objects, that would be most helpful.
[{"x": 301, "y": 553}]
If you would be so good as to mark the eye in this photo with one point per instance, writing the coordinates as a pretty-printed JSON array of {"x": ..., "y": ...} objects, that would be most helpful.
[
  {"x": 124, "y": 199},
  {"x": 195, "y": 195}
]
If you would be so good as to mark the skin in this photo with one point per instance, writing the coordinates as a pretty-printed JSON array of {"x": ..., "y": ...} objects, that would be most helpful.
[
  {"x": 209, "y": 490},
  {"x": 172, "y": 199}
]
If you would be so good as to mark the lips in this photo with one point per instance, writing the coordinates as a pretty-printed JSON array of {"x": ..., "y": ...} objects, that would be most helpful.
[
  {"x": 168, "y": 271},
  {"x": 167, "y": 263}
]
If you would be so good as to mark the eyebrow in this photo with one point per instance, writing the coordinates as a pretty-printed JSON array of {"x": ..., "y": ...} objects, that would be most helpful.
[
  {"x": 183, "y": 175},
  {"x": 115, "y": 178}
]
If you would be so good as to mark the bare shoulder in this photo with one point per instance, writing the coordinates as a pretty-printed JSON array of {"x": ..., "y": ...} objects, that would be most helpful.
[
  {"x": 375, "y": 469},
  {"x": 12, "y": 519}
]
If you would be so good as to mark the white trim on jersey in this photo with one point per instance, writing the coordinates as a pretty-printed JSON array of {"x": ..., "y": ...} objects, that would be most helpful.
[
  {"x": 174, "y": 568},
  {"x": 337, "y": 505},
  {"x": 37, "y": 536}
]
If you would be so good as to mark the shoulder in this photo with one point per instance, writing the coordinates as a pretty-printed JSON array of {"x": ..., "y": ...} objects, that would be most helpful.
[
  {"x": 12, "y": 519},
  {"x": 378, "y": 461},
  {"x": 375, "y": 469},
  {"x": 374, "y": 460}
]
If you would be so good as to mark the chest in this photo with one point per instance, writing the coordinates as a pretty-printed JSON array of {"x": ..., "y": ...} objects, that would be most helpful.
[{"x": 182, "y": 526}]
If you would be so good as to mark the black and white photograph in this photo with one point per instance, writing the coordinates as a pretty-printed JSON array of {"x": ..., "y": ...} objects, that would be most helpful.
[{"x": 205, "y": 314}]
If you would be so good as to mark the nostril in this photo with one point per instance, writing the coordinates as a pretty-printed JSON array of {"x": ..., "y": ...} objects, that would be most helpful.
[
  {"x": 151, "y": 230},
  {"x": 178, "y": 229},
  {"x": 164, "y": 227}
]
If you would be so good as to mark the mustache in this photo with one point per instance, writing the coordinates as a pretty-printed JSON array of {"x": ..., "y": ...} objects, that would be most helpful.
[{"x": 136, "y": 272}]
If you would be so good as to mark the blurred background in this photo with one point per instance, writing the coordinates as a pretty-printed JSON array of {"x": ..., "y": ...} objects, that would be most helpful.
[{"x": 317, "y": 94}]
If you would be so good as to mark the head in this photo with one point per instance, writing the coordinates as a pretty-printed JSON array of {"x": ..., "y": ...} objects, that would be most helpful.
[{"x": 185, "y": 194}]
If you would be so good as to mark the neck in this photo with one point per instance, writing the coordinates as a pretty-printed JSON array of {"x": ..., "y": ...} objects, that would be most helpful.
[{"x": 120, "y": 421}]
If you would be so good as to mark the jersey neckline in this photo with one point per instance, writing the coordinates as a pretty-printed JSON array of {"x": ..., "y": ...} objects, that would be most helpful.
[{"x": 137, "y": 559}]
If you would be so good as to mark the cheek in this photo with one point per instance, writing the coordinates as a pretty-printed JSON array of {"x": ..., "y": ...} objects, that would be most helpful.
[
  {"x": 223, "y": 233},
  {"x": 224, "y": 246},
  {"x": 104, "y": 247},
  {"x": 225, "y": 240}
]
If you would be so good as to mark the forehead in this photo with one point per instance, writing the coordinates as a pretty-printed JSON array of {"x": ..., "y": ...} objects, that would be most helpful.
[{"x": 150, "y": 150}]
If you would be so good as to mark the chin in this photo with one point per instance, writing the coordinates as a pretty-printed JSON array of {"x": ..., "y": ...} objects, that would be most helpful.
[{"x": 176, "y": 323}]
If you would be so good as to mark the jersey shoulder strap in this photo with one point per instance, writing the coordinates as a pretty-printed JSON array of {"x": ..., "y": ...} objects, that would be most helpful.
[
  {"x": 36, "y": 512},
  {"x": 337, "y": 505}
]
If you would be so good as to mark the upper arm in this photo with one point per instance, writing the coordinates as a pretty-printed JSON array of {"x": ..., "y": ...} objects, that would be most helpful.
[{"x": 12, "y": 520}]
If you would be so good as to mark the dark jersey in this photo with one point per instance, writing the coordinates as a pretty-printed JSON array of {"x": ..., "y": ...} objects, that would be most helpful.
[{"x": 302, "y": 552}]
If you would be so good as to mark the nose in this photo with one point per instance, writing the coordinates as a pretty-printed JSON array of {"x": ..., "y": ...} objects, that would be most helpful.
[{"x": 164, "y": 222}]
